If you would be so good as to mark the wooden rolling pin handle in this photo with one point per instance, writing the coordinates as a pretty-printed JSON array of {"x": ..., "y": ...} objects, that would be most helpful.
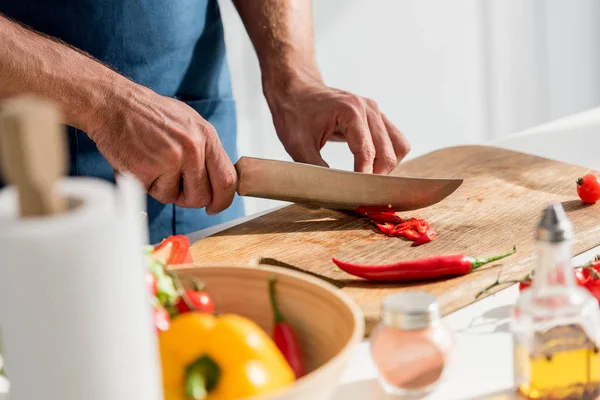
[{"x": 33, "y": 153}]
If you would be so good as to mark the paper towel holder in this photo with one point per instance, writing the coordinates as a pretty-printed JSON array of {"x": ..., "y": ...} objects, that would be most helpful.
[{"x": 33, "y": 153}]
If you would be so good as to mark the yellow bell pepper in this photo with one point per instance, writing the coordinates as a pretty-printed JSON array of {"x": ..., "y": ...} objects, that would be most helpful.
[{"x": 228, "y": 357}]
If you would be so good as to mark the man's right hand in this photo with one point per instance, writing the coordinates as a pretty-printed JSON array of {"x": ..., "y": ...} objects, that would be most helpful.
[
  {"x": 168, "y": 146},
  {"x": 163, "y": 142}
]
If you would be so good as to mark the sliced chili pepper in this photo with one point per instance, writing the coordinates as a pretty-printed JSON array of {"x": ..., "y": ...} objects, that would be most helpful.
[
  {"x": 414, "y": 229},
  {"x": 421, "y": 226},
  {"x": 380, "y": 214},
  {"x": 425, "y": 238},
  {"x": 384, "y": 217},
  {"x": 385, "y": 227},
  {"x": 411, "y": 234},
  {"x": 284, "y": 335},
  {"x": 427, "y": 268},
  {"x": 399, "y": 229}
]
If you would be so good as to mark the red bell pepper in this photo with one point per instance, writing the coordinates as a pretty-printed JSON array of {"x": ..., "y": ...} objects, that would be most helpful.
[{"x": 174, "y": 250}]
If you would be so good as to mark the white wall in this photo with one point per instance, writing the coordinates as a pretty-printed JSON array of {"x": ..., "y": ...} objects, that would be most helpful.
[{"x": 445, "y": 72}]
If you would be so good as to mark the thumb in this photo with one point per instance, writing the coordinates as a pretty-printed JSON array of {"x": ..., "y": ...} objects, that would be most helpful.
[{"x": 313, "y": 156}]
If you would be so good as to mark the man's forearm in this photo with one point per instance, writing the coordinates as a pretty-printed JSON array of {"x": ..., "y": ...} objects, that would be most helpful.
[
  {"x": 281, "y": 32},
  {"x": 34, "y": 64}
]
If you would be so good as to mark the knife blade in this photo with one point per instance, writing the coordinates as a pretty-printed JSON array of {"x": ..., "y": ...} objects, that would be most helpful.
[{"x": 337, "y": 189}]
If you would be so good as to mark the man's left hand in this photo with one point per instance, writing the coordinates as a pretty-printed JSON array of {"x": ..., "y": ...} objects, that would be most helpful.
[{"x": 310, "y": 114}]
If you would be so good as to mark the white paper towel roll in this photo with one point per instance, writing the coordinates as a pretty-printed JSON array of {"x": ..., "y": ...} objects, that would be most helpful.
[{"x": 75, "y": 316}]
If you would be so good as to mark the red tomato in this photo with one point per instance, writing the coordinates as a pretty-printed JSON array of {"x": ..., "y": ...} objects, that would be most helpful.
[
  {"x": 593, "y": 287},
  {"x": 582, "y": 276},
  {"x": 152, "y": 283},
  {"x": 162, "y": 321},
  {"x": 588, "y": 188},
  {"x": 524, "y": 285},
  {"x": 200, "y": 300}
]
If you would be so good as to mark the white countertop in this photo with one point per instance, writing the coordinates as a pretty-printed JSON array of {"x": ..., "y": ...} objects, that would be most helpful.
[{"x": 483, "y": 363}]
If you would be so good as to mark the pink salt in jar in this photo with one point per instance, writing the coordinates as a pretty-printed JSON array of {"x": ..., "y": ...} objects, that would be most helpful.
[{"x": 411, "y": 346}]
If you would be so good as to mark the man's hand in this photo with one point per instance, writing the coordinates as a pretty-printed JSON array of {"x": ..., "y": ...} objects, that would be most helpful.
[
  {"x": 308, "y": 115},
  {"x": 168, "y": 146},
  {"x": 163, "y": 142}
]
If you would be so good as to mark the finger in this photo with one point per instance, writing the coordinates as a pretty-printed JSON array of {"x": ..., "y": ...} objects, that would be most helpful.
[
  {"x": 196, "y": 191},
  {"x": 385, "y": 157},
  {"x": 360, "y": 143},
  {"x": 401, "y": 145},
  {"x": 165, "y": 188},
  {"x": 313, "y": 156},
  {"x": 222, "y": 175}
]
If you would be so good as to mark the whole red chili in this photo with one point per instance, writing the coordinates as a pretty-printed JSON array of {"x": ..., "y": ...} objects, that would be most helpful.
[
  {"x": 426, "y": 268},
  {"x": 284, "y": 336}
]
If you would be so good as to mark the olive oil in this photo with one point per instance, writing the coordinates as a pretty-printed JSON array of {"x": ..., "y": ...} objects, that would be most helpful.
[
  {"x": 556, "y": 323},
  {"x": 567, "y": 366}
]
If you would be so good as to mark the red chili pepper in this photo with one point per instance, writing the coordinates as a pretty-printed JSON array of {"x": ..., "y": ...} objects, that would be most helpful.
[
  {"x": 425, "y": 237},
  {"x": 411, "y": 234},
  {"x": 427, "y": 268},
  {"x": 385, "y": 227},
  {"x": 421, "y": 225},
  {"x": 285, "y": 337},
  {"x": 380, "y": 214}
]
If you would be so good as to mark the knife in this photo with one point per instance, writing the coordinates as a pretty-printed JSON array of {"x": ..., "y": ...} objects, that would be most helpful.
[{"x": 337, "y": 189}]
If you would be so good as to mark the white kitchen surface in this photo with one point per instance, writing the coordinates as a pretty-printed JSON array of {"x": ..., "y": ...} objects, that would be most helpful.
[{"x": 482, "y": 367}]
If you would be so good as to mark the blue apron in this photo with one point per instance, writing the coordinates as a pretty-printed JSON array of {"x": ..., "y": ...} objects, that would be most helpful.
[{"x": 174, "y": 47}]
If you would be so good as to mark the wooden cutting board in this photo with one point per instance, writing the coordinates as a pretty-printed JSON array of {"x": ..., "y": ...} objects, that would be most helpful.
[{"x": 498, "y": 206}]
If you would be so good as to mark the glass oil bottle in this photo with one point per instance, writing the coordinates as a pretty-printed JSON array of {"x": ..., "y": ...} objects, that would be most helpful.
[{"x": 556, "y": 323}]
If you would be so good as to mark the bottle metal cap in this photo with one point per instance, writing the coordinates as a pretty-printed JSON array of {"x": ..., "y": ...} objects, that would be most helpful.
[
  {"x": 410, "y": 310},
  {"x": 555, "y": 226}
]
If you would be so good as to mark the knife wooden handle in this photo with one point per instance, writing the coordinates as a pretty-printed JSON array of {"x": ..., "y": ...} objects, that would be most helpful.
[{"x": 33, "y": 153}]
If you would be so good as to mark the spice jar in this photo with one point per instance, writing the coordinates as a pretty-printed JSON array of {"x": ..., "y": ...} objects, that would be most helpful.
[{"x": 411, "y": 345}]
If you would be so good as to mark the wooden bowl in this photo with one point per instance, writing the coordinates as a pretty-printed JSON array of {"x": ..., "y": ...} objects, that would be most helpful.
[{"x": 329, "y": 325}]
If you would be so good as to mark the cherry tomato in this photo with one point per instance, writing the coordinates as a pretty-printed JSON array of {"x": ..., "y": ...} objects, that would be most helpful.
[
  {"x": 162, "y": 321},
  {"x": 593, "y": 287},
  {"x": 588, "y": 188},
  {"x": 152, "y": 283},
  {"x": 200, "y": 300},
  {"x": 524, "y": 285}
]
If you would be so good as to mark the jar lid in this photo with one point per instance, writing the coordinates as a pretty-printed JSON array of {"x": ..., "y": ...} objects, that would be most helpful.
[
  {"x": 554, "y": 226},
  {"x": 410, "y": 310}
]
